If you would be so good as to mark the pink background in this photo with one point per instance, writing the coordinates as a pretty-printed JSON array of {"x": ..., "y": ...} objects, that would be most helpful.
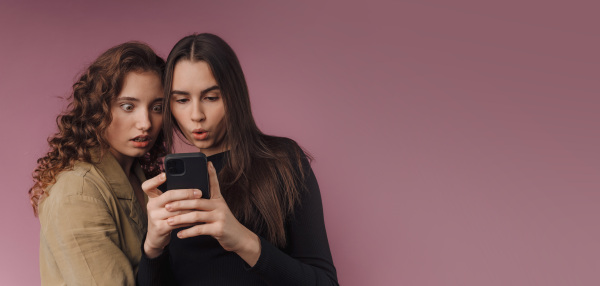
[{"x": 456, "y": 142}]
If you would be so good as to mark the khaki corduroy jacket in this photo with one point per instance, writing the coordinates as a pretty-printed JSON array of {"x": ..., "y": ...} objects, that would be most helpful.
[{"x": 92, "y": 226}]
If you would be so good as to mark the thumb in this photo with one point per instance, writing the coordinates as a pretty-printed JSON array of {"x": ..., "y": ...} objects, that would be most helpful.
[
  {"x": 215, "y": 190},
  {"x": 150, "y": 186}
]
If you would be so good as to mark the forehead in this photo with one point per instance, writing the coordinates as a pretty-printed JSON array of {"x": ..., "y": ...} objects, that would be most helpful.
[
  {"x": 138, "y": 84},
  {"x": 188, "y": 75}
]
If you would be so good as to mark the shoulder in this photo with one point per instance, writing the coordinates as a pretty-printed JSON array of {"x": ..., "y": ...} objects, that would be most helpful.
[
  {"x": 76, "y": 191},
  {"x": 287, "y": 148},
  {"x": 81, "y": 180},
  {"x": 280, "y": 142},
  {"x": 290, "y": 156}
]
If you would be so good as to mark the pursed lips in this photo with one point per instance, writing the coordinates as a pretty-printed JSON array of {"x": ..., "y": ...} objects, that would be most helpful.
[{"x": 199, "y": 134}]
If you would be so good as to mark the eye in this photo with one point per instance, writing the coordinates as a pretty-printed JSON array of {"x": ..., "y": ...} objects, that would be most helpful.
[
  {"x": 211, "y": 97},
  {"x": 182, "y": 100},
  {"x": 127, "y": 106},
  {"x": 157, "y": 108}
]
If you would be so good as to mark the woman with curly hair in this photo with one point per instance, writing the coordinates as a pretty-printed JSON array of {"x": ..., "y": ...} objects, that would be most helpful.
[{"x": 87, "y": 190}]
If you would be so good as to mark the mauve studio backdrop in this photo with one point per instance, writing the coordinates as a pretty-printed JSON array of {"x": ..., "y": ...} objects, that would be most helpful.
[{"x": 456, "y": 142}]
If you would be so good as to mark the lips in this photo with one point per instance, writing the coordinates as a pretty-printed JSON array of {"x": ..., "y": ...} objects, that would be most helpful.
[
  {"x": 199, "y": 134},
  {"x": 141, "y": 141},
  {"x": 141, "y": 138}
]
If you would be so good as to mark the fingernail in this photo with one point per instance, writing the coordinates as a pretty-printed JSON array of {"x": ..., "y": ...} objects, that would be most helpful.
[
  {"x": 170, "y": 220},
  {"x": 179, "y": 235},
  {"x": 211, "y": 165},
  {"x": 197, "y": 194},
  {"x": 163, "y": 176},
  {"x": 168, "y": 207}
]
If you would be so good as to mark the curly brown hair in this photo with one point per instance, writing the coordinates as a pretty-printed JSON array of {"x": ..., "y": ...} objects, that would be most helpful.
[{"x": 81, "y": 127}]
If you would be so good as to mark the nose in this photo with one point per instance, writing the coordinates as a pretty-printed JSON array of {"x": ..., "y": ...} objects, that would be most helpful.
[
  {"x": 143, "y": 121},
  {"x": 197, "y": 113}
]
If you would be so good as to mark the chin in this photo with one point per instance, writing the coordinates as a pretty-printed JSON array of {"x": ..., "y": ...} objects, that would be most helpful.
[
  {"x": 201, "y": 145},
  {"x": 138, "y": 153}
]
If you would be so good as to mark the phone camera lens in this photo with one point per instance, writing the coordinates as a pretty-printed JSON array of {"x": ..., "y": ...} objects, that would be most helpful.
[{"x": 175, "y": 167}]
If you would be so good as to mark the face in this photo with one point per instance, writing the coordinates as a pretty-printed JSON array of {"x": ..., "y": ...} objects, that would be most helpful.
[
  {"x": 197, "y": 106},
  {"x": 136, "y": 116}
]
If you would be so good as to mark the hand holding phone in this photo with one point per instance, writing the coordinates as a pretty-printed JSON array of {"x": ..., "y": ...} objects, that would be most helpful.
[{"x": 183, "y": 171}]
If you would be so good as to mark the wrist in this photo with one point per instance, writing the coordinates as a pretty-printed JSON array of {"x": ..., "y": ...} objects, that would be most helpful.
[
  {"x": 152, "y": 251},
  {"x": 250, "y": 250}
]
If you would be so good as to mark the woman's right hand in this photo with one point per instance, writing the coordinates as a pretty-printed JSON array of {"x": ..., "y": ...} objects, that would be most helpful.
[{"x": 159, "y": 231}]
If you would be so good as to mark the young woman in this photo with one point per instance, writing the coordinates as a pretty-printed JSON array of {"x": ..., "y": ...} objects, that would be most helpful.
[
  {"x": 264, "y": 222},
  {"x": 87, "y": 190}
]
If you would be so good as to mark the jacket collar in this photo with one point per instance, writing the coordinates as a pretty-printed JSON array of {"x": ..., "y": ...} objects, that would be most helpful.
[{"x": 113, "y": 174}]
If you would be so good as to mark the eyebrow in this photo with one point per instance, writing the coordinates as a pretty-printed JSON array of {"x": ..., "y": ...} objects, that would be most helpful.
[
  {"x": 158, "y": 99},
  {"x": 203, "y": 92},
  {"x": 128, "y": 98}
]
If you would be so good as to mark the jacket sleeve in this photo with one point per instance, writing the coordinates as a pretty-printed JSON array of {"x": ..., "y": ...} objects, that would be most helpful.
[
  {"x": 306, "y": 260},
  {"x": 80, "y": 236}
]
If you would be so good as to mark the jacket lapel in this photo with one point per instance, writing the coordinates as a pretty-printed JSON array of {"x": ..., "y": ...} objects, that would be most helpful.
[{"x": 119, "y": 183}]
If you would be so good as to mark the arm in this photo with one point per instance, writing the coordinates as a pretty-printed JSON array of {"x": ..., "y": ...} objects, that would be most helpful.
[
  {"x": 307, "y": 259},
  {"x": 155, "y": 271},
  {"x": 154, "y": 268},
  {"x": 80, "y": 234}
]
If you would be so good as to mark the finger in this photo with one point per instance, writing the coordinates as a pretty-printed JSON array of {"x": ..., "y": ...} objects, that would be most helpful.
[
  {"x": 150, "y": 186},
  {"x": 215, "y": 190},
  {"x": 190, "y": 218},
  {"x": 197, "y": 204},
  {"x": 177, "y": 195},
  {"x": 163, "y": 214},
  {"x": 182, "y": 225},
  {"x": 201, "y": 229}
]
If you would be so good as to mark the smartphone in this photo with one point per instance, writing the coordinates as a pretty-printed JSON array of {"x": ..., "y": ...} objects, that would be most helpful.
[{"x": 187, "y": 171}]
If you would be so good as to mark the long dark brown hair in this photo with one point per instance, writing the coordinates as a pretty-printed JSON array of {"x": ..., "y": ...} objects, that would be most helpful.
[
  {"x": 81, "y": 127},
  {"x": 262, "y": 175}
]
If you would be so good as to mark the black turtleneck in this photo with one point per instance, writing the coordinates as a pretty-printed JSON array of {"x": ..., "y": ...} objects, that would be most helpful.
[{"x": 306, "y": 260}]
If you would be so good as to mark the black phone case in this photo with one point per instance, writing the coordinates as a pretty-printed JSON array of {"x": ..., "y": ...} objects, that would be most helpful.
[{"x": 194, "y": 176}]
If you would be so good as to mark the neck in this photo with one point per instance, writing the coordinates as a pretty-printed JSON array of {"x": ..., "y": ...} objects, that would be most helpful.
[
  {"x": 124, "y": 161},
  {"x": 212, "y": 151}
]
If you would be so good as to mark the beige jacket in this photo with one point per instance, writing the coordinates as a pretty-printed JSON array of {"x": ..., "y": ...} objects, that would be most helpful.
[{"x": 91, "y": 226}]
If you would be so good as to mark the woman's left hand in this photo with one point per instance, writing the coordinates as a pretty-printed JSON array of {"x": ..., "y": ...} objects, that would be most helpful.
[{"x": 217, "y": 221}]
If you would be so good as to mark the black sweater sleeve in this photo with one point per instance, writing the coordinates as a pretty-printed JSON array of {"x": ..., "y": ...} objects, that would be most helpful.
[
  {"x": 156, "y": 271},
  {"x": 307, "y": 259}
]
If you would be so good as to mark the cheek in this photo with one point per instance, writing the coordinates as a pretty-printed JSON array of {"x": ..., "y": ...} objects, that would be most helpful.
[
  {"x": 115, "y": 126},
  {"x": 157, "y": 120},
  {"x": 117, "y": 121},
  {"x": 220, "y": 114},
  {"x": 220, "y": 118},
  {"x": 178, "y": 114},
  {"x": 180, "y": 120}
]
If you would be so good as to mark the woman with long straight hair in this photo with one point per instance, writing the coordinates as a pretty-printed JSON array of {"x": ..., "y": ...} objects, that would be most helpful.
[
  {"x": 263, "y": 224},
  {"x": 87, "y": 192}
]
